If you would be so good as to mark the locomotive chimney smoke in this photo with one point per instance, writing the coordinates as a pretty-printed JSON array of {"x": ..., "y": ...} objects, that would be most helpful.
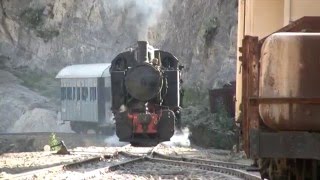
[
  {"x": 142, "y": 51},
  {"x": 137, "y": 15}
]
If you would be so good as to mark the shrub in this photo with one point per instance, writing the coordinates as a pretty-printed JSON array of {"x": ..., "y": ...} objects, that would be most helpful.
[
  {"x": 210, "y": 129},
  {"x": 53, "y": 141},
  {"x": 194, "y": 97}
]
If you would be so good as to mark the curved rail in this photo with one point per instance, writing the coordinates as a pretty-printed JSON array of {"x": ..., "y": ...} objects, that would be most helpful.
[
  {"x": 202, "y": 161},
  {"x": 234, "y": 169}
]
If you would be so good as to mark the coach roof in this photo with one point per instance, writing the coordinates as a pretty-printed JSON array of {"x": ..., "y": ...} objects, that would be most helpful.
[{"x": 85, "y": 71}]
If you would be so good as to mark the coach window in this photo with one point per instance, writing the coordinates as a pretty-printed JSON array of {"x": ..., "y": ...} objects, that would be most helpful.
[
  {"x": 69, "y": 93},
  {"x": 78, "y": 94},
  {"x": 84, "y": 93},
  {"x": 63, "y": 93},
  {"x": 73, "y": 93},
  {"x": 108, "y": 93},
  {"x": 93, "y": 94}
]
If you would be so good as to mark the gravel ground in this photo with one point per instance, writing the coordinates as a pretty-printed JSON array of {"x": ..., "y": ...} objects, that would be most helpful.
[
  {"x": 140, "y": 170},
  {"x": 12, "y": 163},
  {"x": 86, "y": 171}
]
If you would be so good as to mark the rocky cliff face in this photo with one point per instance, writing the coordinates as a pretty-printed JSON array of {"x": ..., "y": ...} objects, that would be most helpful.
[
  {"x": 45, "y": 35},
  {"x": 202, "y": 34}
]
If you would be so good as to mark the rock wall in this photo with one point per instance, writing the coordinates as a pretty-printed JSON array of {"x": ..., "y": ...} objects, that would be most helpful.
[
  {"x": 23, "y": 110},
  {"x": 46, "y": 35},
  {"x": 202, "y": 34}
]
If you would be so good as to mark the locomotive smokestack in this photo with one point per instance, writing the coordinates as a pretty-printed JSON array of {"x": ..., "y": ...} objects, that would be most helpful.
[{"x": 142, "y": 51}]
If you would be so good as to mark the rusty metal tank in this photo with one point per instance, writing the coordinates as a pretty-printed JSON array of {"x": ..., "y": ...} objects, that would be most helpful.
[{"x": 290, "y": 67}]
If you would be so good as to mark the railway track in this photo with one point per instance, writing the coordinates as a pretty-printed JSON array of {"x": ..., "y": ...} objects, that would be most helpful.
[
  {"x": 143, "y": 165},
  {"x": 45, "y": 134}
]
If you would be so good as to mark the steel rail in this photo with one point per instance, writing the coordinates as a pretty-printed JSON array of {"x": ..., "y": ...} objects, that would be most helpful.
[
  {"x": 203, "y": 161},
  {"x": 234, "y": 169},
  {"x": 62, "y": 167},
  {"x": 229, "y": 171}
]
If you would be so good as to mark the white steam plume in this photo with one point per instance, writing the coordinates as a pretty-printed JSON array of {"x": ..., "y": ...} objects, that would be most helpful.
[
  {"x": 113, "y": 141},
  {"x": 138, "y": 15},
  {"x": 180, "y": 139}
]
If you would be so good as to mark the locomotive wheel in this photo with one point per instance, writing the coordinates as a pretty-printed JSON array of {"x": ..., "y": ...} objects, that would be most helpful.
[
  {"x": 76, "y": 127},
  {"x": 166, "y": 125},
  {"x": 273, "y": 169},
  {"x": 109, "y": 131},
  {"x": 123, "y": 126}
]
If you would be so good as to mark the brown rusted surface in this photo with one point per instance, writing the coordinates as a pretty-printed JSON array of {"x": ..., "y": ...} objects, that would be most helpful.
[
  {"x": 251, "y": 95},
  {"x": 284, "y": 100},
  {"x": 250, "y": 84},
  {"x": 253, "y": 78},
  {"x": 223, "y": 96},
  {"x": 285, "y": 87},
  {"x": 290, "y": 68},
  {"x": 243, "y": 108}
]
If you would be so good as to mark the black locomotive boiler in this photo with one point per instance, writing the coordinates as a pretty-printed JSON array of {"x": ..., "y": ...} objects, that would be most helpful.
[{"x": 146, "y": 94}]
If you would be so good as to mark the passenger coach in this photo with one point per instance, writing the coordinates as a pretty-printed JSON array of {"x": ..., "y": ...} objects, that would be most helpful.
[{"x": 86, "y": 96}]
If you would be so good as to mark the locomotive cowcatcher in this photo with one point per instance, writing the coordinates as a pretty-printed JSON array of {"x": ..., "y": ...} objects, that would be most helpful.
[{"x": 146, "y": 92}]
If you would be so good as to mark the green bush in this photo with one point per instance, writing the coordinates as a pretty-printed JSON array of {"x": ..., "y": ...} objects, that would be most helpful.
[
  {"x": 210, "y": 130},
  {"x": 194, "y": 97},
  {"x": 53, "y": 141},
  {"x": 224, "y": 121}
]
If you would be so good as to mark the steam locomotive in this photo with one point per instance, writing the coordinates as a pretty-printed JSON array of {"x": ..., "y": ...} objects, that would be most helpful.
[{"x": 146, "y": 94}]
